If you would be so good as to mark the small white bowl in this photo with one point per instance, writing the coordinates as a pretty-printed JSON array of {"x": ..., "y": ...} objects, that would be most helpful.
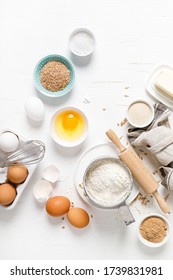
[
  {"x": 145, "y": 123},
  {"x": 72, "y": 40},
  {"x": 62, "y": 142},
  {"x": 152, "y": 244}
]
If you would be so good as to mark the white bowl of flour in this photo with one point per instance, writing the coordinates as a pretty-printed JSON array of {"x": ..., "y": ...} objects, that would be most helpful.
[{"x": 107, "y": 182}]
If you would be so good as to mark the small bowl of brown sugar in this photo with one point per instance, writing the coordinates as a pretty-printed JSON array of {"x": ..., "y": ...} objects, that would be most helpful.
[
  {"x": 54, "y": 75},
  {"x": 154, "y": 230}
]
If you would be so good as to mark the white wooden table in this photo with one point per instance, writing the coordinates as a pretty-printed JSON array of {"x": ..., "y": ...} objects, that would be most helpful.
[{"x": 133, "y": 37}]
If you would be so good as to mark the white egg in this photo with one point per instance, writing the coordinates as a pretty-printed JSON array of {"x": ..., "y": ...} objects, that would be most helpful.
[
  {"x": 8, "y": 141},
  {"x": 35, "y": 109}
]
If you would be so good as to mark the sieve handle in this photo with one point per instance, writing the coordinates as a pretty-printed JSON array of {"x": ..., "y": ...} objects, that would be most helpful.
[{"x": 126, "y": 214}]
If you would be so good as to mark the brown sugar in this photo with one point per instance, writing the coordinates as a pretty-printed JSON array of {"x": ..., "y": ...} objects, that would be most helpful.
[
  {"x": 143, "y": 198},
  {"x": 54, "y": 76},
  {"x": 153, "y": 229}
]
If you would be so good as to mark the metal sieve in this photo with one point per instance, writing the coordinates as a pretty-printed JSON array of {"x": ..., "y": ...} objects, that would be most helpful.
[{"x": 120, "y": 204}]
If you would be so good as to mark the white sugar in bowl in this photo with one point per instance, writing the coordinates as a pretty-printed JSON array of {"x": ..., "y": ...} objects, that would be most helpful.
[{"x": 82, "y": 42}]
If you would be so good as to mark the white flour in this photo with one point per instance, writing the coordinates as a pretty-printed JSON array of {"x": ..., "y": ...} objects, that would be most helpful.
[{"x": 108, "y": 181}]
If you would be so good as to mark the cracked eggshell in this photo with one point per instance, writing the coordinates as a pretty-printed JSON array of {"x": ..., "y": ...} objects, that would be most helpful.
[
  {"x": 51, "y": 173},
  {"x": 42, "y": 191}
]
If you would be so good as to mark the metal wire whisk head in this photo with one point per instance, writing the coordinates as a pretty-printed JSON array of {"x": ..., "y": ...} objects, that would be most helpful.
[{"x": 31, "y": 152}]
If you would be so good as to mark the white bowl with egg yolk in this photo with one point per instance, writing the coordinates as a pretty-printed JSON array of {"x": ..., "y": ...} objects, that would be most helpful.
[{"x": 69, "y": 127}]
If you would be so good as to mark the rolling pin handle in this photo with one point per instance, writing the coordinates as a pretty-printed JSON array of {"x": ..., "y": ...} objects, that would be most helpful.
[
  {"x": 161, "y": 202},
  {"x": 114, "y": 138}
]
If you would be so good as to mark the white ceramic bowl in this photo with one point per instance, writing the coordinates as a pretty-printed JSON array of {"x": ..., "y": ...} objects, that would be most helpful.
[
  {"x": 145, "y": 123},
  {"x": 62, "y": 142},
  {"x": 152, "y": 244},
  {"x": 70, "y": 42}
]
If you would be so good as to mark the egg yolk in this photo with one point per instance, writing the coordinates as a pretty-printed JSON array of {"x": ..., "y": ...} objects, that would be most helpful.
[
  {"x": 70, "y": 121},
  {"x": 69, "y": 125}
]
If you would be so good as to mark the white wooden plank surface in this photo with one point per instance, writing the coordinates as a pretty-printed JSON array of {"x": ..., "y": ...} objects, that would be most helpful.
[{"x": 133, "y": 37}]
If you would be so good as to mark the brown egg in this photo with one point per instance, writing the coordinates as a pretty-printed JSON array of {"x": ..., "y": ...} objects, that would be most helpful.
[
  {"x": 57, "y": 206},
  {"x": 7, "y": 194},
  {"x": 78, "y": 217},
  {"x": 17, "y": 173}
]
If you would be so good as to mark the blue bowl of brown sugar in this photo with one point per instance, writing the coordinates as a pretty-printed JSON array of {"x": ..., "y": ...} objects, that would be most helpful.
[{"x": 54, "y": 75}]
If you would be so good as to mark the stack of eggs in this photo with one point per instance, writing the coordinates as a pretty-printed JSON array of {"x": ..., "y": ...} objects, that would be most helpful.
[{"x": 16, "y": 174}]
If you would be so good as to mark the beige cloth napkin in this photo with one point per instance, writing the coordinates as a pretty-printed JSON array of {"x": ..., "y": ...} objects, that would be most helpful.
[{"x": 159, "y": 141}]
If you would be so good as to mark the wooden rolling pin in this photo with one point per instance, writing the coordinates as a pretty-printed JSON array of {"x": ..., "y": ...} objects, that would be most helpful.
[{"x": 139, "y": 170}]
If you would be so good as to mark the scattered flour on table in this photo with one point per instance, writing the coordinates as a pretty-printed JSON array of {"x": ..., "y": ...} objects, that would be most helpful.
[{"x": 108, "y": 181}]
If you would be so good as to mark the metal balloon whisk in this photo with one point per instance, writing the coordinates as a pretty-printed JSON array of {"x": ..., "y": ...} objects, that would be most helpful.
[{"x": 28, "y": 153}]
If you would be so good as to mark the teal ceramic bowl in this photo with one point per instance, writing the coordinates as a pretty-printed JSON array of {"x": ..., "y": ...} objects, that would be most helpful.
[{"x": 40, "y": 65}]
